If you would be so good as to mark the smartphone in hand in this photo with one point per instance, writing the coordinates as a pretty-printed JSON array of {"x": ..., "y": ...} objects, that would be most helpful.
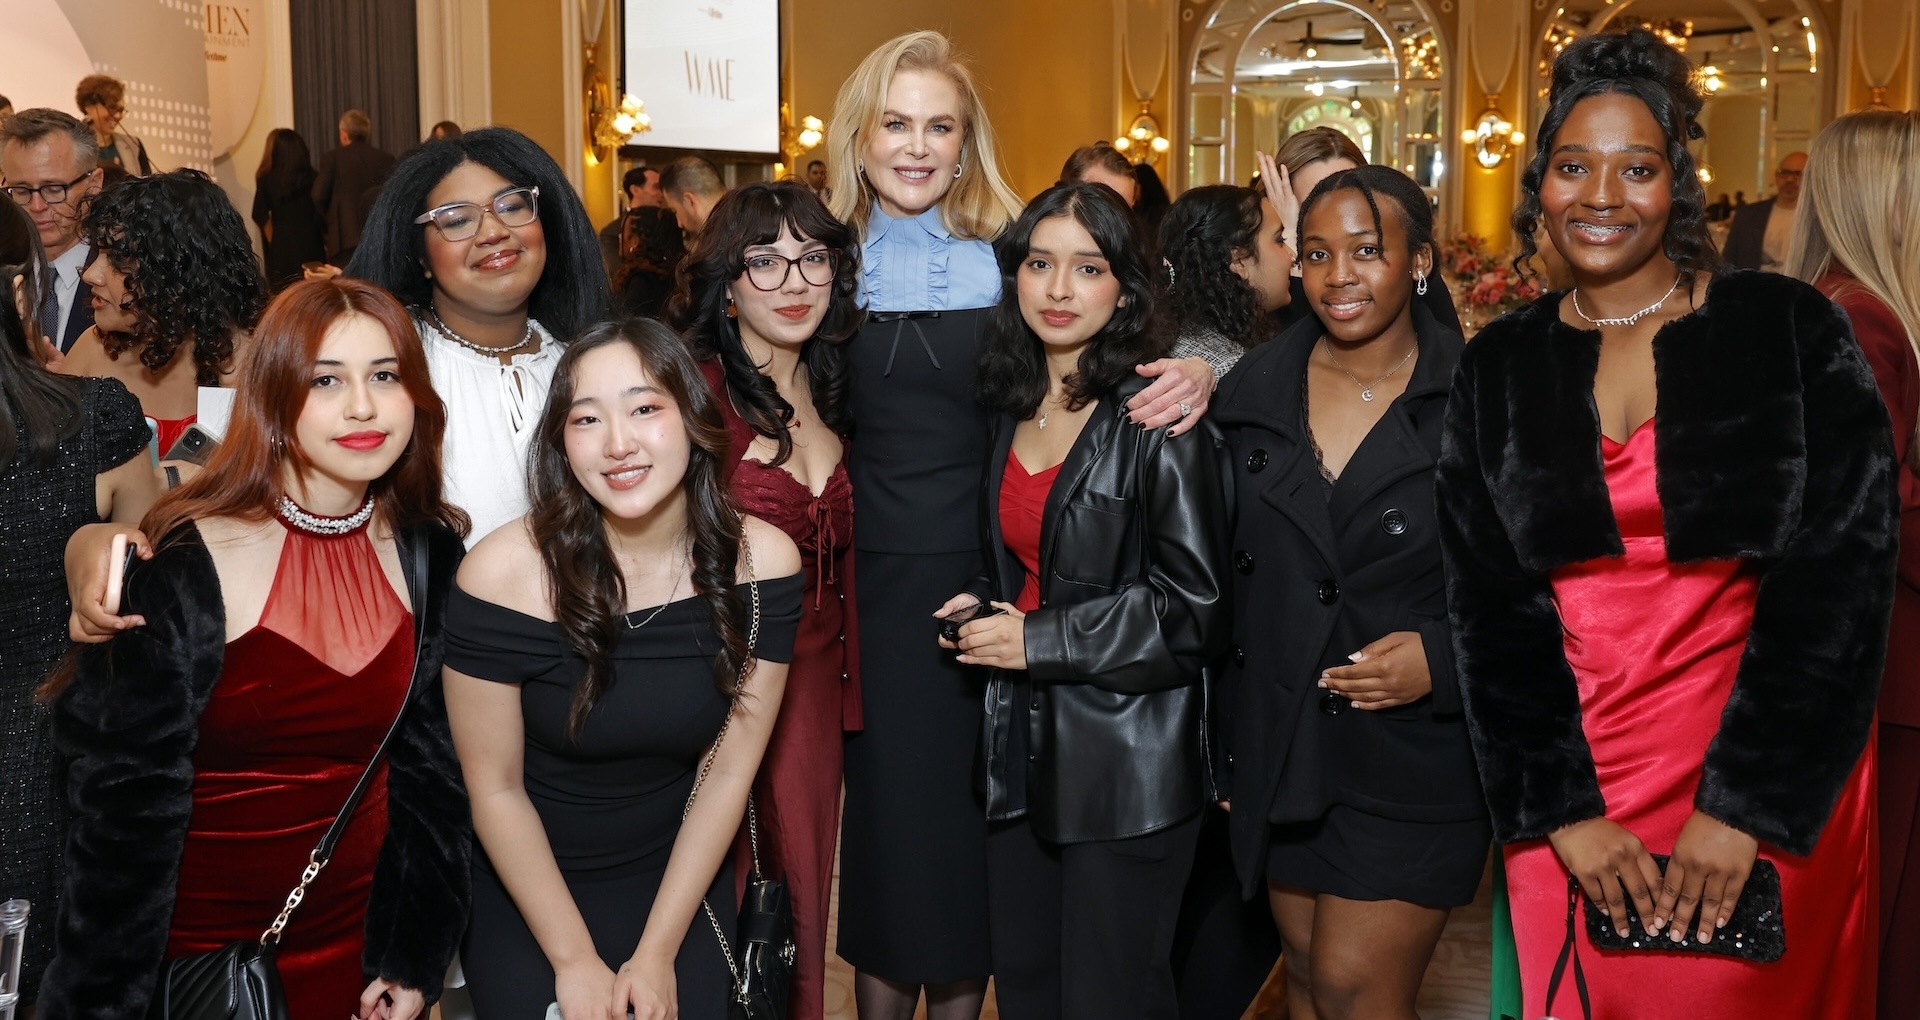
[
  {"x": 120, "y": 559},
  {"x": 194, "y": 446}
]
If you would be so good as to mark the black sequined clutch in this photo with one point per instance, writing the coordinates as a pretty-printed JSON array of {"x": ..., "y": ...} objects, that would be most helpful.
[{"x": 1756, "y": 932}]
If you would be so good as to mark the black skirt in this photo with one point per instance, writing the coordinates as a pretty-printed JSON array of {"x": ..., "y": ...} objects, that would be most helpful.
[{"x": 1355, "y": 855}]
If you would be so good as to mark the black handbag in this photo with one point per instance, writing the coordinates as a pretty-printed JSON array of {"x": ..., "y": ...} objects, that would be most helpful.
[
  {"x": 240, "y": 981},
  {"x": 762, "y": 968}
]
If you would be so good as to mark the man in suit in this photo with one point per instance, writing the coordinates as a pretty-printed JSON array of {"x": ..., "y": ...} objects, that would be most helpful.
[
  {"x": 642, "y": 186},
  {"x": 1758, "y": 237},
  {"x": 349, "y": 179},
  {"x": 50, "y": 166}
]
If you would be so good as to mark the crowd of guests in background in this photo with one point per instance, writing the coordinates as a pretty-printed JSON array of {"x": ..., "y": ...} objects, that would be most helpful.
[{"x": 1134, "y": 589}]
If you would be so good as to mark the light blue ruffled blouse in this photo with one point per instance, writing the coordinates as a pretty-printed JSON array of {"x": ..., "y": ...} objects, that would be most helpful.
[{"x": 915, "y": 265}]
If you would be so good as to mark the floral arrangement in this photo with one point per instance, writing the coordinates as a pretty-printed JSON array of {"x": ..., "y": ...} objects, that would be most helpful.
[{"x": 1482, "y": 283}]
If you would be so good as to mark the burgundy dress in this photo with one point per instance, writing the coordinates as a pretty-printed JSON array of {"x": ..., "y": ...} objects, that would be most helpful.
[
  {"x": 798, "y": 791},
  {"x": 302, "y": 703},
  {"x": 1884, "y": 341},
  {"x": 1654, "y": 646}
]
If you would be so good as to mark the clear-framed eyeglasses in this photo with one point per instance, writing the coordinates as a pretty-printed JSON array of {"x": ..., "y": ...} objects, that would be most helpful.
[
  {"x": 767, "y": 271},
  {"x": 52, "y": 194},
  {"x": 459, "y": 221}
]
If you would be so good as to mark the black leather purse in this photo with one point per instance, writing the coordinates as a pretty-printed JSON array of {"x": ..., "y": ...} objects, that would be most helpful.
[
  {"x": 762, "y": 968},
  {"x": 240, "y": 980}
]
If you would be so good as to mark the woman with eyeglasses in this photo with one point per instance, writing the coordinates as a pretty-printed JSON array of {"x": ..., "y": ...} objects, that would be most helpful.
[
  {"x": 103, "y": 103},
  {"x": 767, "y": 297}
]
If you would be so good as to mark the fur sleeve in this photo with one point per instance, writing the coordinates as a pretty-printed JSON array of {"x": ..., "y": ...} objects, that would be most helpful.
[
  {"x": 1521, "y": 702},
  {"x": 1803, "y": 699},
  {"x": 130, "y": 721},
  {"x": 422, "y": 886}
]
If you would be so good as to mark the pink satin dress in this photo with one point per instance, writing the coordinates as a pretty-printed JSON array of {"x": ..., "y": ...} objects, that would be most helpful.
[{"x": 1654, "y": 646}]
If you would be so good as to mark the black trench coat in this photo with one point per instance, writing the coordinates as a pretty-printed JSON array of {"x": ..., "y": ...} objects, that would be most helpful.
[{"x": 1316, "y": 579}]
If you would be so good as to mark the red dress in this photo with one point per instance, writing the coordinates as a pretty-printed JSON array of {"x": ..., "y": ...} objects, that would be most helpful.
[
  {"x": 1654, "y": 646},
  {"x": 798, "y": 791},
  {"x": 1023, "y": 509},
  {"x": 302, "y": 703}
]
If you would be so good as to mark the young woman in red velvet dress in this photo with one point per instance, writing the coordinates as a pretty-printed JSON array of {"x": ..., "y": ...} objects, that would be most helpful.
[
  {"x": 1846, "y": 244},
  {"x": 287, "y": 625},
  {"x": 768, "y": 299},
  {"x": 1668, "y": 511}
]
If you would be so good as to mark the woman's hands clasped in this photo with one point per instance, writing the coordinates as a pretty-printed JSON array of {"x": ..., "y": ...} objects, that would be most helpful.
[
  {"x": 997, "y": 641},
  {"x": 385, "y": 1000}
]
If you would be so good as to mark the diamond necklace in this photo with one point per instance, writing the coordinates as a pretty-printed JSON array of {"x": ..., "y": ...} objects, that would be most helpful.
[
  {"x": 1625, "y": 320},
  {"x": 316, "y": 524},
  {"x": 493, "y": 352},
  {"x": 1366, "y": 389}
]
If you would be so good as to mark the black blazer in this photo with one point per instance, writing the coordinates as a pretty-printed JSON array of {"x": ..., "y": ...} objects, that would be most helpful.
[
  {"x": 1319, "y": 576},
  {"x": 79, "y": 317},
  {"x": 1747, "y": 235},
  {"x": 348, "y": 181},
  {"x": 1132, "y": 604},
  {"x": 130, "y": 721},
  {"x": 1771, "y": 446}
]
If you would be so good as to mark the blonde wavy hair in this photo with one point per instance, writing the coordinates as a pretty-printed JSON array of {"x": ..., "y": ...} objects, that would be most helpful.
[
  {"x": 980, "y": 203},
  {"x": 1860, "y": 211}
]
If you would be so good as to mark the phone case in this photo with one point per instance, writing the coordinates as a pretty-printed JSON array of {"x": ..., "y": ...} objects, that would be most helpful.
[{"x": 1756, "y": 932}]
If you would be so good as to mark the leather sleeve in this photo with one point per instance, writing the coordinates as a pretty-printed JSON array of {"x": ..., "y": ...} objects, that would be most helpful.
[
  {"x": 1156, "y": 633},
  {"x": 130, "y": 722},
  {"x": 422, "y": 883},
  {"x": 1521, "y": 702},
  {"x": 1804, "y": 696}
]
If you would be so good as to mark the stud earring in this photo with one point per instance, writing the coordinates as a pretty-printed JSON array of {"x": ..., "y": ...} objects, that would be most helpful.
[{"x": 1420, "y": 285}]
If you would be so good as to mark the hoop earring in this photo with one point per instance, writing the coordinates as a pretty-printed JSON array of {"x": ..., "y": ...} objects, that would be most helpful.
[
  {"x": 1420, "y": 285},
  {"x": 956, "y": 171}
]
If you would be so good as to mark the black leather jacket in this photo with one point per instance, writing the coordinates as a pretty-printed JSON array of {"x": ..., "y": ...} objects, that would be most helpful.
[{"x": 1133, "y": 593}]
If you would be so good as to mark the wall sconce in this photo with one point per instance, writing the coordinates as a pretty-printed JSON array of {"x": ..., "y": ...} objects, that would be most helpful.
[
  {"x": 1710, "y": 79},
  {"x": 1493, "y": 137},
  {"x": 796, "y": 138},
  {"x": 1143, "y": 142},
  {"x": 609, "y": 126}
]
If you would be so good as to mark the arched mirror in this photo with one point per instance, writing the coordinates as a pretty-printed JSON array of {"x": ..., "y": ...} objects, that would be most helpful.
[
  {"x": 1264, "y": 69},
  {"x": 1764, "y": 64}
]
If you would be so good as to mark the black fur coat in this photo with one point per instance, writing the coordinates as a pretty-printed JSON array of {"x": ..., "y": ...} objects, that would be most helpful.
[
  {"x": 130, "y": 721},
  {"x": 1772, "y": 447}
]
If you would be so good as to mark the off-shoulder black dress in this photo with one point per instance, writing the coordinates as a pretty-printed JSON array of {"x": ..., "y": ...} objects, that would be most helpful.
[{"x": 611, "y": 801}]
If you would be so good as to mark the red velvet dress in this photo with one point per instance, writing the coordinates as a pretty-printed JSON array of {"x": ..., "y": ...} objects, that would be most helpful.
[
  {"x": 303, "y": 701},
  {"x": 1654, "y": 646},
  {"x": 798, "y": 791}
]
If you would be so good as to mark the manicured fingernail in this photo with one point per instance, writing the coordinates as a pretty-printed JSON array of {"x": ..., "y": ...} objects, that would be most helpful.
[
  {"x": 1356, "y": 657},
  {"x": 1706, "y": 935},
  {"x": 1323, "y": 683},
  {"x": 1721, "y": 923},
  {"x": 1356, "y": 704}
]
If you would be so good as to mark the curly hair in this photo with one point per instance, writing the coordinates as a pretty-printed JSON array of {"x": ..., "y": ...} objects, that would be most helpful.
[
  {"x": 571, "y": 293},
  {"x": 754, "y": 215},
  {"x": 1013, "y": 368},
  {"x": 1206, "y": 229},
  {"x": 1634, "y": 63},
  {"x": 191, "y": 274}
]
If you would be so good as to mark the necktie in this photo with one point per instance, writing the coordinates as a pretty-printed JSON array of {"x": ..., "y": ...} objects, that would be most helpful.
[{"x": 50, "y": 309}]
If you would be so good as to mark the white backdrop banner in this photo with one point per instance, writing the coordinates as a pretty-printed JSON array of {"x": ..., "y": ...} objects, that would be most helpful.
[{"x": 708, "y": 71}]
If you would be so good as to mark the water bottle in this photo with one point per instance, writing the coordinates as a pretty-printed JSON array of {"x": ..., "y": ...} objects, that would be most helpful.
[{"x": 13, "y": 938}]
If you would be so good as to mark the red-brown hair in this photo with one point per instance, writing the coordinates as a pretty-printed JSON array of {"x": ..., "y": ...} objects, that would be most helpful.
[{"x": 243, "y": 480}]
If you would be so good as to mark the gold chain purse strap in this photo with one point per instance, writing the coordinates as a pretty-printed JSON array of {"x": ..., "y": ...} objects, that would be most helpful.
[{"x": 706, "y": 765}]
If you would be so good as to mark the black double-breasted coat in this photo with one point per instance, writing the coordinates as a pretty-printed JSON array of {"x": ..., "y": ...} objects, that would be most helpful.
[{"x": 1317, "y": 575}]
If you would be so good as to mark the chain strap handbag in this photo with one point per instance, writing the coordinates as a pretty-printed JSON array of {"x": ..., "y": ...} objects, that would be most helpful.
[
  {"x": 240, "y": 980},
  {"x": 763, "y": 967}
]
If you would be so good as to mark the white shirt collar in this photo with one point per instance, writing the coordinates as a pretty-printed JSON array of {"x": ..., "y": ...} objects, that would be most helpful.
[{"x": 67, "y": 267}]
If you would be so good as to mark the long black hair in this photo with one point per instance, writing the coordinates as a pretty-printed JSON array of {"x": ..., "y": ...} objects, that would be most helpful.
[
  {"x": 1638, "y": 64},
  {"x": 1013, "y": 367},
  {"x": 571, "y": 293},
  {"x": 34, "y": 403},
  {"x": 1206, "y": 229},
  {"x": 191, "y": 273},
  {"x": 753, "y": 215},
  {"x": 286, "y": 168},
  {"x": 588, "y": 591}
]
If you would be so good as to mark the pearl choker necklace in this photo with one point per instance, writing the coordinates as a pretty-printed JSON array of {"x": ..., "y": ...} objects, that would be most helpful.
[
  {"x": 1625, "y": 320},
  {"x": 315, "y": 524},
  {"x": 492, "y": 352}
]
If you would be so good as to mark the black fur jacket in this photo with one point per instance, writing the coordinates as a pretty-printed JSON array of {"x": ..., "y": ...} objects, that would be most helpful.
[
  {"x": 1772, "y": 447},
  {"x": 130, "y": 722}
]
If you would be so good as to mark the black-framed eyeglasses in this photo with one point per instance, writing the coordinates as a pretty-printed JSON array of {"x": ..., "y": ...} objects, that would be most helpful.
[
  {"x": 52, "y": 194},
  {"x": 767, "y": 271},
  {"x": 458, "y": 221}
]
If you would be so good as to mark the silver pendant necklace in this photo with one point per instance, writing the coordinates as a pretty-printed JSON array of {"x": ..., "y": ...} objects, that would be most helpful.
[
  {"x": 492, "y": 352},
  {"x": 1625, "y": 320},
  {"x": 1366, "y": 389}
]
